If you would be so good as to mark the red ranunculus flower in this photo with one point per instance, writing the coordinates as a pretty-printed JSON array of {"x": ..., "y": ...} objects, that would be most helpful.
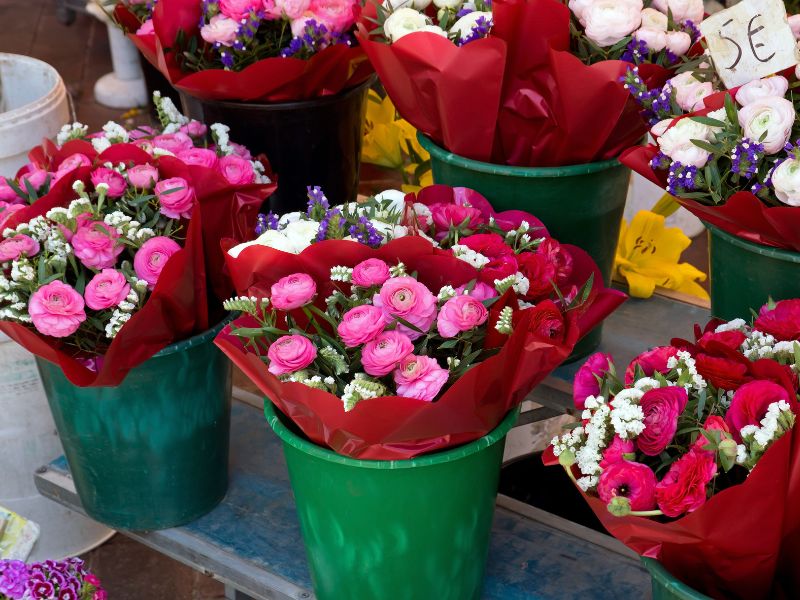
[
  {"x": 722, "y": 373},
  {"x": 661, "y": 407},
  {"x": 490, "y": 245},
  {"x": 562, "y": 260},
  {"x": 771, "y": 370},
  {"x": 683, "y": 488},
  {"x": 541, "y": 273},
  {"x": 728, "y": 339},
  {"x": 750, "y": 403},
  {"x": 712, "y": 423},
  {"x": 633, "y": 480},
  {"x": 498, "y": 268},
  {"x": 548, "y": 321},
  {"x": 782, "y": 322},
  {"x": 651, "y": 361}
]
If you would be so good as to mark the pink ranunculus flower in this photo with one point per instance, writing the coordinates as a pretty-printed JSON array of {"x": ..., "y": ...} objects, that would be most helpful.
[
  {"x": 290, "y": 353},
  {"x": 152, "y": 257},
  {"x": 750, "y": 403},
  {"x": 608, "y": 21},
  {"x": 202, "y": 157},
  {"x": 291, "y": 9},
  {"x": 220, "y": 30},
  {"x": 372, "y": 271},
  {"x": 678, "y": 42},
  {"x": 115, "y": 181},
  {"x": 782, "y": 321},
  {"x": 176, "y": 197},
  {"x": 655, "y": 39},
  {"x": 420, "y": 377},
  {"x": 236, "y": 170},
  {"x": 69, "y": 164},
  {"x": 106, "y": 289},
  {"x": 7, "y": 211},
  {"x": 146, "y": 28},
  {"x": 173, "y": 142},
  {"x": 56, "y": 310},
  {"x": 794, "y": 23},
  {"x": 461, "y": 313},
  {"x": 35, "y": 177},
  {"x": 410, "y": 300},
  {"x": 682, "y": 10},
  {"x": 143, "y": 177},
  {"x": 446, "y": 215},
  {"x": 97, "y": 245},
  {"x": 586, "y": 381},
  {"x": 238, "y": 9},
  {"x": 142, "y": 131},
  {"x": 336, "y": 15},
  {"x": 382, "y": 354},
  {"x": 293, "y": 291},
  {"x": 14, "y": 247},
  {"x": 661, "y": 407},
  {"x": 713, "y": 423},
  {"x": 770, "y": 118},
  {"x": 240, "y": 151},
  {"x": 480, "y": 291},
  {"x": 651, "y": 361},
  {"x": 361, "y": 324},
  {"x": 616, "y": 452},
  {"x": 683, "y": 488},
  {"x": 7, "y": 193},
  {"x": 194, "y": 129},
  {"x": 631, "y": 480}
]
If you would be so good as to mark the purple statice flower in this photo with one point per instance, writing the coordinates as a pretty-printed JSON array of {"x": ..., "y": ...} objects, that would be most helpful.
[
  {"x": 463, "y": 12},
  {"x": 635, "y": 52},
  {"x": 317, "y": 201},
  {"x": 681, "y": 178},
  {"x": 745, "y": 157},
  {"x": 480, "y": 30},
  {"x": 364, "y": 231},
  {"x": 14, "y": 575},
  {"x": 672, "y": 58},
  {"x": 265, "y": 222},
  {"x": 325, "y": 223},
  {"x": 227, "y": 59},
  {"x": 690, "y": 28},
  {"x": 660, "y": 161},
  {"x": 315, "y": 37},
  {"x": 655, "y": 104}
]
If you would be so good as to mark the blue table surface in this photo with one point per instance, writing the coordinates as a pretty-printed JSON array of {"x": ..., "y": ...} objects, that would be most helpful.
[{"x": 257, "y": 522}]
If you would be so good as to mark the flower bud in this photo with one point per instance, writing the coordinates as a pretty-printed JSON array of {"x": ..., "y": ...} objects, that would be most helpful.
[
  {"x": 566, "y": 458},
  {"x": 728, "y": 450},
  {"x": 619, "y": 506}
]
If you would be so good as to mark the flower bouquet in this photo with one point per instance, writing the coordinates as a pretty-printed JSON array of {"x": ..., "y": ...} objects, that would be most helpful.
[
  {"x": 673, "y": 452},
  {"x": 288, "y": 77},
  {"x": 49, "y": 580},
  {"x": 111, "y": 274}
]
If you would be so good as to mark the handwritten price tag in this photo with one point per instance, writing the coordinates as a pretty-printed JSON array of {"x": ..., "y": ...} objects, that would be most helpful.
[{"x": 750, "y": 40}]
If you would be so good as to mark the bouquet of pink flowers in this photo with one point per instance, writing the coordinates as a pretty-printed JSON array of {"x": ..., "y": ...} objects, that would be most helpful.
[
  {"x": 49, "y": 580},
  {"x": 691, "y": 435}
]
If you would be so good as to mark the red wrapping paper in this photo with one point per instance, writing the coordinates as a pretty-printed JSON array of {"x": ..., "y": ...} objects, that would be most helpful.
[
  {"x": 742, "y": 215},
  {"x": 518, "y": 97},
  {"x": 187, "y": 298},
  {"x": 328, "y": 72},
  {"x": 394, "y": 428}
]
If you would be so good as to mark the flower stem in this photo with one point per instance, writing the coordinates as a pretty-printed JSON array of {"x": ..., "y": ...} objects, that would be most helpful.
[
  {"x": 646, "y": 513},
  {"x": 570, "y": 474}
]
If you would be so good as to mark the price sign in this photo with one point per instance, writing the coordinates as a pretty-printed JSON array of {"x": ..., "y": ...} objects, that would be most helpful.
[{"x": 750, "y": 40}]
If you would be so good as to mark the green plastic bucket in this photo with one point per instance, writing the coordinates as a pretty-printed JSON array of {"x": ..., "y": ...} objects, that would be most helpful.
[
  {"x": 580, "y": 204},
  {"x": 151, "y": 453},
  {"x": 667, "y": 587},
  {"x": 406, "y": 530},
  {"x": 745, "y": 275}
]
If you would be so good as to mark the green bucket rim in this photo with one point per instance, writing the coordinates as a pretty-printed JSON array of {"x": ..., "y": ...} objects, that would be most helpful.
[
  {"x": 511, "y": 171},
  {"x": 453, "y": 454},
  {"x": 670, "y": 582},
  {"x": 770, "y": 251},
  {"x": 196, "y": 340}
]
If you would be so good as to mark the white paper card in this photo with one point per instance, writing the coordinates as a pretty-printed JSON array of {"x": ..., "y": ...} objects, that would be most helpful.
[{"x": 750, "y": 40}]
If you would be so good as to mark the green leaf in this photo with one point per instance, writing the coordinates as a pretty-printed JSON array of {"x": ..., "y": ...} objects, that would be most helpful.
[
  {"x": 448, "y": 344},
  {"x": 701, "y": 403},
  {"x": 709, "y": 121}
]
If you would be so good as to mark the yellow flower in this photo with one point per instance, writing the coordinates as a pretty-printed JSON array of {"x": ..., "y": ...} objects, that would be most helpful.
[{"x": 648, "y": 255}]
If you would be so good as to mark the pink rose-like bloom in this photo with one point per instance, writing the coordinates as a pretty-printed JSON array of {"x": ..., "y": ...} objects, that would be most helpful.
[
  {"x": 143, "y": 177},
  {"x": 236, "y": 170},
  {"x": 410, "y": 300},
  {"x": 291, "y": 9},
  {"x": 146, "y": 28},
  {"x": 334, "y": 14},
  {"x": 176, "y": 197},
  {"x": 293, "y": 291},
  {"x": 631, "y": 480},
  {"x": 56, "y": 310},
  {"x": 97, "y": 245},
  {"x": 782, "y": 322},
  {"x": 480, "y": 291},
  {"x": 152, "y": 257},
  {"x": 106, "y": 289},
  {"x": 650, "y": 362},
  {"x": 202, "y": 157},
  {"x": 750, "y": 403},
  {"x": 678, "y": 42},
  {"x": 762, "y": 88},
  {"x": 794, "y": 23},
  {"x": 445, "y": 215},
  {"x": 238, "y": 9},
  {"x": 381, "y": 354},
  {"x": 173, "y": 142},
  {"x": 420, "y": 377},
  {"x": 372, "y": 271},
  {"x": 361, "y": 324},
  {"x": 661, "y": 407},
  {"x": 772, "y": 115},
  {"x": 587, "y": 379},
  {"x": 115, "y": 181},
  {"x": 690, "y": 92},
  {"x": 194, "y": 129},
  {"x": 290, "y": 353},
  {"x": 142, "y": 131},
  {"x": 461, "y": 313},
  {"x": 240, "y": 151},
  {"x": 14, "y": 247},
  {"x": 35, "y": 177},
  {"x": 683, "y": 488},
  {"x": 7, "y": 193},
  {"x": 713, "y": 423},
  {"x": 608, "y": 21},
  {"x": 72, "y": 162},
  {"x": 655, "y": 39},
  {"x": 616, "y": 452},
  {"x": 682, "y": 10},
  {"x": 220, "y": 30},
  {"x": 7, "y": 211}
]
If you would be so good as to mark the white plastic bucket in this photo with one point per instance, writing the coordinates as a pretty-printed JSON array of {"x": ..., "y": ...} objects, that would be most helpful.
[
  {"x": 34, "y": 106},
  {"x": 28, "y": 440}
]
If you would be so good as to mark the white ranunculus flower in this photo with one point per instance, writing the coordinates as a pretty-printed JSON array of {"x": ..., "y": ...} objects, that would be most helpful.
[
  {"x": 682, "y": 10},
  {"x": 578, "y": 7},
  {"x": 678, "y": 42},
  {"x": 396, "y": 198},
  {"x": 786, "y": 182},
  {"x": 676, "y": 142},
  {"x": 772, "y": 115},
  {"x": 237, "y": 250},
  {"x": 655, "y": 39},
  {"x": 653, "y": 19},
  {"x": 402, "y": 22},
  {"x": 794, "y": 23},
  {"x": 659, "y": 128},
  {"x": 464, "y": 26},
  {"x": 608, "y": 21},
  {"x": 270, "y": 238},
  {"x": 762, "y": 88},
  {"x": 419, "y": 5},
  {"x": 290, "y": 218},
  {"x": 435, "y": 29},
  {"x": 301, "y": 234}
]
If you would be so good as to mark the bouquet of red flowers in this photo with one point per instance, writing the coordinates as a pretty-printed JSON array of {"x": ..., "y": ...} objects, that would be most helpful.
[
  {"x": 388, "y": 346},
  {"x": 690, "y": 456},
  {"x": 250, "y": 50},
  {"x": 509, "y": 82},
  {"x": 110, "y": 248}
]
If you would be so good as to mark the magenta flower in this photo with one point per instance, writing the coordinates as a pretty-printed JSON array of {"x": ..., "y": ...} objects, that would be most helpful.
[
  {"x": 630, "y": 480},
  {"x": 56, "y": 309},
  {"x": 587, "y": 379},
  {"x": 661, "y": 407}
]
